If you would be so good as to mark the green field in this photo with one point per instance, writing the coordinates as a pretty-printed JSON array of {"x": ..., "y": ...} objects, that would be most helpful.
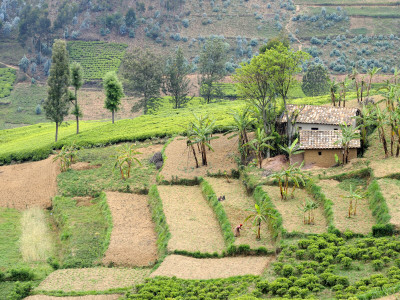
[
  {"x": 366, "y": 11},
  {"x": 96, "y": 58},
  {"x": 7, "y": 78},
  {"x": 347, "y": 2}
]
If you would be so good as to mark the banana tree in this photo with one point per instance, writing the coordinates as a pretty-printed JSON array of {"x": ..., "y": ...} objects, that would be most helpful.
[
  {"x": 348, "y": 134},
  {"x": 259, "y": 214},
  {"x": 371, "y": 73},
  {"x": 259, "y": 144},
  {"x": 308, "y": 208},
  {"x": 291, "y": 150},
  {"x": 125, "y": 159},
  {"x": 291, "y": 174},
  {"x": 353, "y": 196}
]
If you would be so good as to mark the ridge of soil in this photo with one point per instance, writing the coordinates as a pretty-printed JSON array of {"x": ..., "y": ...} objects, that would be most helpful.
[
  {"x": 133, "y": 239},
  {"x": 211, "y": 268},
  {"x": 88, "y": 297},
  {"x": 31, "y": 184}
]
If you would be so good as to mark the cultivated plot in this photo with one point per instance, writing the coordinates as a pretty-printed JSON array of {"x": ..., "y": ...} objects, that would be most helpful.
[
  {"x": 133, "y": 239},
  {"x": 390, "y": 189},
  {"x": 191, "y": 221},
  {"x": 180, "y": 161},
  {"x": 292, "y": 212},
  {"x": 210, "y": 268},
  {"x": 362, "y": 222},
  {"x": 92, "y": 279},
  {"x": 27, "y": 185},
  {"x": 235, "y": 204}
]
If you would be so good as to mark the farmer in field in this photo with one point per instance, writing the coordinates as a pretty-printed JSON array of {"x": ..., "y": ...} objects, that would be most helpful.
[{"x": 237, "y": 230}]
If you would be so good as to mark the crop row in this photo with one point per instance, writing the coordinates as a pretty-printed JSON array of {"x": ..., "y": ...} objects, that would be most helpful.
[{"x": 96, "y": 58}]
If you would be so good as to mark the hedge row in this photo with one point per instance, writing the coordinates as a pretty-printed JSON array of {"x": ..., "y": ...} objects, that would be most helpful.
[
  {"x": 276, "y": 222},
  {"x": 108, "y": 217},
  {"x": 377, "y": 203},
  {"x": 160, "y": 221},
  {"x": 219, "y": 210},
  {"x": 362, "y": 173}
]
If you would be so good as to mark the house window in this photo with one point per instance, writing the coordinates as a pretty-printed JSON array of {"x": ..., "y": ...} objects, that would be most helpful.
[
  {"x": 335, "y": 129},
  {"x": 314, "y": 128},
  {"x": 319, "y": 153},
  {"x": 300, "y": 128}
]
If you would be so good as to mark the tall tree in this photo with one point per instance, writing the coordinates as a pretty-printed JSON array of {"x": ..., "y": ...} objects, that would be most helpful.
[
  {"x": 57, "y": 103},
  {"x": 348, "y": 133},
  {"x": 254, "y": 85},
  {"x": 142, "y": 71},
  {"x": 76, "y": 82},
  {"x": 315, "y": 81},
  {"x": 285, "y": 63},
  {"x": 114, "y": 92},
  {"x": 212, "y": 67},
  {"x": 176, "y": 84}
]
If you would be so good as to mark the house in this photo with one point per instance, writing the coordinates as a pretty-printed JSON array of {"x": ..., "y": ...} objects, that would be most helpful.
[
  {"x": 319, "y": 133},
  {"x": 314, "y": 117},
  {"x": 320, "y": 147}
]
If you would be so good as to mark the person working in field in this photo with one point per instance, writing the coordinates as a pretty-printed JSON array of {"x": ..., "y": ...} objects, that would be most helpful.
[{"x": 237, "y": 230}]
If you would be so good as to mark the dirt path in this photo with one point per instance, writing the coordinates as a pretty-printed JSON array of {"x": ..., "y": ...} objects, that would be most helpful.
[
  {"x": 361, "y": 223},
  {"x": 9, "y": 66},
  {"x": 92, "y": 279},
  {"x": 133, "y": 239},
  {"x": 391, "y": 192},
  {"x": 191, "y": 221},
  {"x": 292, "y": 214},
  {"x": 88, "y": 297},
  {"x": 235, "y": 205},
  {"x": 28, "y": 185},
  {"x": 180, "y": 162},
  {"x": 209, "y": 268}
]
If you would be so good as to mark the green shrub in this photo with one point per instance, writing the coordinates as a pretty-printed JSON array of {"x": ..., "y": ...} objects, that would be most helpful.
[
  {"x": 287, "y": 270},
  {"x": 20, "y": 291},
  {"x": 377, "y": 204},
  {"x": 263, "y": 286},
  {"x": 22, "y": 274},
  {"x": 300, "y": 254},
  {"x": 380, "y": 230},
  {"x": 304, "y": 244},
  {"x": 378, "y": 264}
]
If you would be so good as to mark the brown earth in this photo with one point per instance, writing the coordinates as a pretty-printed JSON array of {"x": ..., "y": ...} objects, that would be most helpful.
[
  {"x": 391, "y": 297},
  {"x": 29, "y": 184},
  {"x": 361, "y": 223},
  {"x": 275, "y": 163},
  {"x": 147, "y": 152},
  {"x": 180, "y": 161},
  {"x": 385, "y": 167},
  {"x": 191, "y": 221},
  {"x": 92, "y": 279},
  {"x": 210, "y": 268},
  {"x": 88, "y": 297},
  {"x": 292, "y": 214},
  {"x": 235, "y": 204},
  {"x": 133, "y": 239},
  {"x": 390, "y": 189},
  {"x": 83, "y": 201},
  {"x": 82, "y": 165}
]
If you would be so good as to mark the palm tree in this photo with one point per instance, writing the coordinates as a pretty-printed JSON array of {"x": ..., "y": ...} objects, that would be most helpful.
[
  {"x": 291, "y": 150},
  {"x": 371, "y": 73},
  {"x": 242, "y": 123},
  {"x": 202, "y": 129},
  {"x": 259, "y": 144},
  {"x": 292, "y": 173},
  {"x": 259, "y": 214},
  {"x": 348, "y": 133}
]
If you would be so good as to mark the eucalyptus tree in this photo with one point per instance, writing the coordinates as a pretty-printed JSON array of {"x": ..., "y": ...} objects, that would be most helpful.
[
  {"x": 114, "y": 92},
  {"x": 76, "y": 82}
]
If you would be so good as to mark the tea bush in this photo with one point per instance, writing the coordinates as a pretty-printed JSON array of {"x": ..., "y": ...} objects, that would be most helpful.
[{"x": 7, "y": 78}]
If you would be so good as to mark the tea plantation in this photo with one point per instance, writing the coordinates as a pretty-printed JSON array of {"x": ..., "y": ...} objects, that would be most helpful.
[{"x": 7, "y": 78}]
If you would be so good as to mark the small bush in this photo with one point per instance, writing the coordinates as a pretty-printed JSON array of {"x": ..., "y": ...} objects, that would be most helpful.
[
  {"x": 287, "y": 270},
  {"x": 20, "y": 291},
  {"x": 23, "y": 274},
  {"x": 378, "y": 264},
  {"x": 381, "y": 230},
  {"x": 346, "y": 262}
]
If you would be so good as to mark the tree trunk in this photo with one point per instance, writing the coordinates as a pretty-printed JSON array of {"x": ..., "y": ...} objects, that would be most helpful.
[
  {"x": 195, "y": 157},
  {"x": 56, "y": 131},
  {"x": 384, "y": 143},
  {"x": 76, "y": 111},
  {"x": 77, "y": 124},
  {"x": 113, "y": 116}
]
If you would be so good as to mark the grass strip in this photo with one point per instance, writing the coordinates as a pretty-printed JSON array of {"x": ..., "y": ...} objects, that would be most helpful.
[{"x": 377, "y": 203}]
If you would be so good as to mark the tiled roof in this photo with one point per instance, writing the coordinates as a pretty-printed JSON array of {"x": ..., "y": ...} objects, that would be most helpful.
[
  {"x": 315, "y": 114},
  {"x": 323, "y": 139}
]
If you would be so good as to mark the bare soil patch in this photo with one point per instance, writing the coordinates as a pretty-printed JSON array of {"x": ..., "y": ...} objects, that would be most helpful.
[
  {"x": 133, "y": 238},
  {"x": 385, "y": 167},
  {"x": 82, "y": 165},
  {"x": 193, "y": 268},
  {"x": 27, "y": 185},
  {"x": 180, "y": 161},
  {"x": 361, "y": 223},
  {"x": 191, "y": 221},
  {"x": 83, "y": 201},
  {"x": 276, "y": 163},
  {"x": 88, "y": 297},
  {"x": 292, "y": 214},
  {"x": 391, "y": 192},
  {"x": 146, "y": 152},
  {"x": 92, "y": 279},
  {"x": 235, "y": 204}
]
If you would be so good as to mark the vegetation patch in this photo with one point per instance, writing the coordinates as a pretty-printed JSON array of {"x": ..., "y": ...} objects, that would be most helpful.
[
  {"x": 97, "y": 58},
  {"x": 191, "y": 221},
  {"x": 7, "y": 78},
  {"x": 377, "y": 203},
  {"x": 390, "y": 190},
  {"x": 84, "y": 231}
]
